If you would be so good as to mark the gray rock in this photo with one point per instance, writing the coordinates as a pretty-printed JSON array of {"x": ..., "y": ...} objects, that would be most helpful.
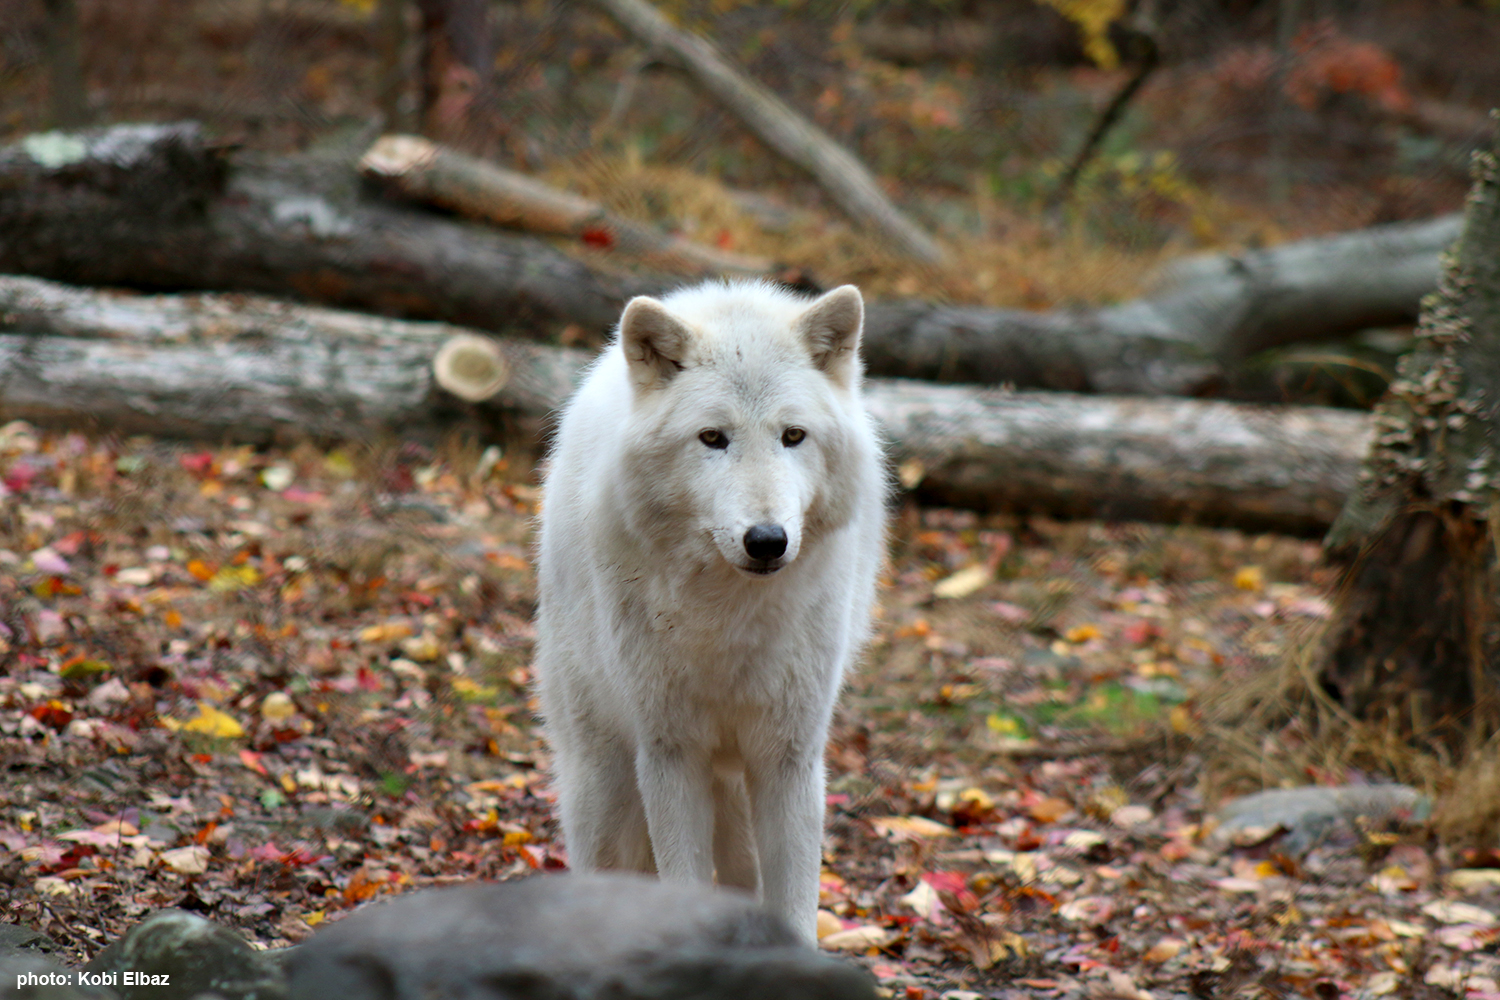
[
  {"x": 17, "y": 939},
  {"x": 30, "y": 975},
  {"x": 1311, "y": 814},
  {"x": 568, "y": 937},
  {"x": 194, "y": 955}
]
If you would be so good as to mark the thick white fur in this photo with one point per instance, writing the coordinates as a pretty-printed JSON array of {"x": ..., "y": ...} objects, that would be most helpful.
[{"x": 687, "y": 697}]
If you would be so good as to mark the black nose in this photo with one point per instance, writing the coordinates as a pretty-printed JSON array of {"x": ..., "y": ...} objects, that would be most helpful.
[{"x": 765, "y": 542}]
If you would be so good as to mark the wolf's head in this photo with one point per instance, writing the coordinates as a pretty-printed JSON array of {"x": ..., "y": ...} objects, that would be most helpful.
[{"x": 747, "y": 436}]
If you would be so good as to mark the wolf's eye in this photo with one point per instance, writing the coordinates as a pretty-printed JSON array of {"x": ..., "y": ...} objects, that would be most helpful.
[
  {"x": 714, "y": 438},
  {"x": 793, "y": 436}
]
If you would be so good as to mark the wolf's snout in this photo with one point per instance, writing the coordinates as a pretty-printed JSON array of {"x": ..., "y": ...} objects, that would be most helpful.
[{"x": 765, "y": 542}]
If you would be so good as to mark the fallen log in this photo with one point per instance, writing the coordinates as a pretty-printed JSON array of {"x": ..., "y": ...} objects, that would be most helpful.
[
  {"x": 426, "y": 172},
  {"x": 256, "y": 370},
  {"x": 157, "y": 208}
]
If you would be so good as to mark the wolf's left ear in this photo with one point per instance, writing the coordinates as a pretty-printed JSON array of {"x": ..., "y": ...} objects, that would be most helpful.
[
  {"x": 657, "y": 344},
  {"x": 831, "y": 327}
]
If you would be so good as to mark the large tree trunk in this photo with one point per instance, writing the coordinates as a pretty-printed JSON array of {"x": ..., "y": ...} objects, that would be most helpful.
[
  {"x": 1414, "y": 634},
  {"x": 153, "y": 207},
  {"x": 255, "y": 370},
  {"x": 457, "y": 62}
]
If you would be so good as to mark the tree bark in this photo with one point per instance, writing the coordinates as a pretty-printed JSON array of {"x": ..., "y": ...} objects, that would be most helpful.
[
  {"x": 249, "y": 369},
  {"x": 155, "y": 208},
  {"x": 841, "y": 174},
  {"x": 69, "y": 93},
  {"x": 255, "y": 370},
  {"x": 1261, "y": 468},
  {"x": 1413, "y": 639},
  {"x": 426, "y": 172},
  {"x": 457, "y": 61}
]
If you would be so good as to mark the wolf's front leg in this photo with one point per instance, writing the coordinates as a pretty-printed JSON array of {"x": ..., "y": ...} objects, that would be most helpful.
[
  {"x": 677, "y": 789},
  {"x": 786, "y": 804}
]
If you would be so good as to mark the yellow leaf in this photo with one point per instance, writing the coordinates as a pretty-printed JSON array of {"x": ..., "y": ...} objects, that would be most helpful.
[
  {"x": 977, "y": 799},
  {"x": 856, "y": 939},
  {"x": 1166, "y": 948},
  {"x": 277, "y": 707},
  {"x": 828, "y": 924},
  {"x": 1181, "y": 719},
  {"x": 1473, "y": 878},
  {"x": 1093, "y": 18},
  {"x": 910, "y": 473},
  {"x": 907, "y": 827},
  {"x": 232, "y": 578},
  {"x": 387, "y": 632},
  {"x": 1005, "y": 725},
  {"x": 212, "y": 722},
  {"x": 314, "y": 918},
  {"x": 963, "y": 583},
  {"x": 423, "y": 648},
  {"x": 470, "y": 690},
  {"x": 1250, "y": 578},
  {"x": 1081, "y": 633}
]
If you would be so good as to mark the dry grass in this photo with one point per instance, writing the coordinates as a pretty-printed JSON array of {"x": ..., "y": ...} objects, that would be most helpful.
[
  {"x": 1277, "y": 728},
  {"x": 1024, "y": 260}
]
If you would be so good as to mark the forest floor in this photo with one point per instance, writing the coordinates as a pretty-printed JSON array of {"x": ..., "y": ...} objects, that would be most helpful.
[{"x": 269, "y": 686}]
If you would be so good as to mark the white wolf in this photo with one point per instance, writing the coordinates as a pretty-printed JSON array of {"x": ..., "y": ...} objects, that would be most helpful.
[{"x": 712, "y": 528}]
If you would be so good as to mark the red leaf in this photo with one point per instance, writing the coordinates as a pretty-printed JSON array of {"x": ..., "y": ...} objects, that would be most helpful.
[
  {"x": 598, "y": 237},
  {"x": 251, "y": 759},
  {"x": 200, "y": 464}
]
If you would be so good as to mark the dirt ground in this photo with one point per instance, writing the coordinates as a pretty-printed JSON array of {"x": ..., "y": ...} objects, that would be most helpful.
[{"x": 268, "y": 686}]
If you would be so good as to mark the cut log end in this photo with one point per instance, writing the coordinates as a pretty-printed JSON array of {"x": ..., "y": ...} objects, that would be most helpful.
[
  {"x": 395, "y": 155},
  {"x": 470, "y": 367}
]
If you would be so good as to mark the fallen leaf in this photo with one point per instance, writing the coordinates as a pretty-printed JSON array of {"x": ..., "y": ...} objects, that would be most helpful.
[
  {"x": 278, "y": 707},
  {"x": 1124, "y": 987},
  {"x": 828, "y": 924},
  {"x": 1133, "y": 815},
  {"x": 1251, "y": 578},
  {"x": 209, "y": 720},
  {"x": 903, "y": 827},
  {"x": 1472, "y": 879},
  {"x": 923, "y": 900},
  {"x": 386, "y": 632},
  {"x": 191, "y": 860},
  {"x": 963, "y": 583},
  {"x": 1091, "y": 909},
  {"x": 1163, "y": 950},
  {"x": 910, "y": 473},
  {"x": 1049, "y": 809},
  {"x": 1447, "y": 911},
  {"x": 49, "y": 562},
  {"x": 278, "y": 477},
  {"x": 856, "y": 938}
]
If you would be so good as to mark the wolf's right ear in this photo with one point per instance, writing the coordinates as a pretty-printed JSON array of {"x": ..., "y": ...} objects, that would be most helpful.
[
  {"x": 831, "y": 328},
  {"x": 657, "y": 344}
]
